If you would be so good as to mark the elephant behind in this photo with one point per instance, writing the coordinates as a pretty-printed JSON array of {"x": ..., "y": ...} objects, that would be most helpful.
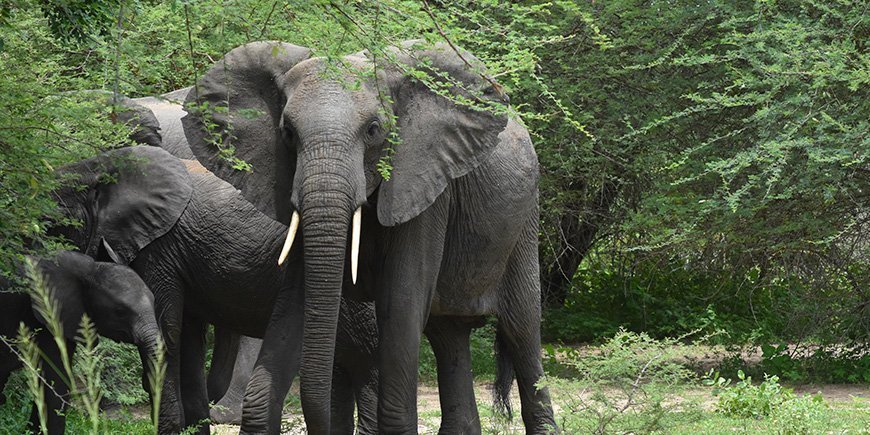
[
  {"x": 113, "y": 296},
  {"x": 201, "y": 248}
]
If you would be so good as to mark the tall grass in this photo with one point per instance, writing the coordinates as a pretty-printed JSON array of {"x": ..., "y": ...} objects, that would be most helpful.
[{"x": 83, "y": 377}]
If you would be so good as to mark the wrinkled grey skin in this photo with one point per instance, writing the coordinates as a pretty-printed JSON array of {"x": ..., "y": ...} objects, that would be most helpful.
[
  {"x": 212, "y": 247},
  {"x": 166, "y": 113},
  {"x": 116, "y": 300},
  {"x": 228, "y": 383},
  {"x": 232, "y": 365},
  {"x": 449, "y": 239}
]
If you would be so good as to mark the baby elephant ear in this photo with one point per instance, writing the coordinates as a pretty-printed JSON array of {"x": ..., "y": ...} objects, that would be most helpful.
[
  {"x": 449, "y": 114},
  {"x": 63, "y": 276},
  {"x": 234, "y": 123}
]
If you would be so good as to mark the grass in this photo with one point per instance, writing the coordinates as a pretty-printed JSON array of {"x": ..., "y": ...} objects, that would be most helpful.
[
  {"x": 842, "y": 417},
  {"x": 588, "y": 386}
]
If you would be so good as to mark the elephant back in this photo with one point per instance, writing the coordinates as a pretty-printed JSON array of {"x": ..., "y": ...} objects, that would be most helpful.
[{"x": 167, "y": 111}]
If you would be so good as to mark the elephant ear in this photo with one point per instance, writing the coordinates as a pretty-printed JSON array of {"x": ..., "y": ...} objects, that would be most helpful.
[
  {"x": 234, "y": 120},
  {"x": 444, "y": 134},
  {"x": 132, "y": 197},
  {"x": 63, "y": 278}
]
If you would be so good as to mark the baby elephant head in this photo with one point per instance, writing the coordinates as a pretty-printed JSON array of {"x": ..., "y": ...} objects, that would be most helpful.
[{"x": 113, "y": 296}]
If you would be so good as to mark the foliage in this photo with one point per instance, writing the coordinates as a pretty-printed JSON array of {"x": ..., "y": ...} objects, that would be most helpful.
[
  {"x": 627, "y": 385},
  {"x": 800, "y": 415},
  {"x": 817, "y": 364},
  {"x": 483, "y": 364},
  {"x": 789, "y": 412},
  {"x": 122, "y": 373},
  {"x": 41, "y": 128}
]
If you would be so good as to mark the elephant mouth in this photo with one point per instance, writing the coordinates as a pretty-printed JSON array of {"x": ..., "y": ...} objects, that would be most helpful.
[{"x": 354, "y": 240}]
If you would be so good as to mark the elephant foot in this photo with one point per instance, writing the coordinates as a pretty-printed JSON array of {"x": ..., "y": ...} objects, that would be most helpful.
[{"x": 225, "y": 415}]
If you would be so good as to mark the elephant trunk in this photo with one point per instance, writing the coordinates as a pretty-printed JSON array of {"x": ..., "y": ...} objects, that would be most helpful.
[
  {"x": 147, "y": 339},
  {"x": 327, "y": 205}
]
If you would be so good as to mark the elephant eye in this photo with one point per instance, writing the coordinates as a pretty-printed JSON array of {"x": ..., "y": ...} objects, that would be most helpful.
[{"x": 374, "y": 130}]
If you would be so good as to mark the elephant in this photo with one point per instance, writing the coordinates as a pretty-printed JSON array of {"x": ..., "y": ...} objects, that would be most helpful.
[
  {"x": 232, "y": 364},
  {"x": 112, "y": 295},
  {"x": 202, "y": 249},
  {"x": 434, "y": 191}
]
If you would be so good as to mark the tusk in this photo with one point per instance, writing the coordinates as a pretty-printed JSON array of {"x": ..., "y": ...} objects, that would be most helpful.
[
  {"x": 291, "y": 234},
  {"x": 354, "y": 243}
]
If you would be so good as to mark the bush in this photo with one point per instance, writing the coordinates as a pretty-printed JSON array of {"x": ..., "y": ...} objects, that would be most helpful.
[
  {"x": 628, "y": 385},
  {"x": 122, "y": 373},
  {"x": 789, "y": 412},
  {"x": 744, "y": 399},
  {"x": 841, "y": 364},
  {"x": 483, "y": 364},
  {"x": 800, "y": 415}
]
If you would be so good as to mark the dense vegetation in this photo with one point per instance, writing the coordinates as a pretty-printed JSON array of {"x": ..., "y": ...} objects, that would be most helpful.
[{"x": 704, "y": 163}]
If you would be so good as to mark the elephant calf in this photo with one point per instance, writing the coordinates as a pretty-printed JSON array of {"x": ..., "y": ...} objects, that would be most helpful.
[{"x": 113, "y": 296}]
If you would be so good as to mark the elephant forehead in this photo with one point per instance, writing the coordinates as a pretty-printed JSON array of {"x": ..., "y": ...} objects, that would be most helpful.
[{"x": 347, "y": 83}]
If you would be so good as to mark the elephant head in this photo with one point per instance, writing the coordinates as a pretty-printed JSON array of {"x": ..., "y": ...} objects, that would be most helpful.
[
  {"x": 118, "y": 302},
  {"x": 128, "y": 197},
  {"x": 314, "y": 137}
]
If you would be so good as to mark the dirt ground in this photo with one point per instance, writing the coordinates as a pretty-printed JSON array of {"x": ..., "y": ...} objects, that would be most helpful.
[{"x": 428, "y": 404}]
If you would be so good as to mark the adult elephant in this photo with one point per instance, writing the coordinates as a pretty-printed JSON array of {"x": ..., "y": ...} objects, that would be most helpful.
[
  {"x": 449, "y": 238},
  {"x": 203, "y": 251},
  {"x": 114, "y": 298}
]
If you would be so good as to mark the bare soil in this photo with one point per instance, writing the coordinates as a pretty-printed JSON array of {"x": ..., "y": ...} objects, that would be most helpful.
[{"x": 428, "y": 405}]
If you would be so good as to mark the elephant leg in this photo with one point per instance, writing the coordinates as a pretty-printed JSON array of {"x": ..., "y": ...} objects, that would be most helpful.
[
  {"x": 449, "y": 338},
  {"x": 341, "y": 402},
  {"x": 519, "y": 330},
  {"x": 410, "y": 275},
  {"x": 168, "y": 305},
  {"x": 229, "y": 409},
  {"x": 366, "y": 395},
  {"x": 193, "y": 387},
  {"x": 54, "y": 388},
  {"x": 226, "y": 346},
  {"x": 277, "y": 364},
  {"x": 4, "y": 377}
]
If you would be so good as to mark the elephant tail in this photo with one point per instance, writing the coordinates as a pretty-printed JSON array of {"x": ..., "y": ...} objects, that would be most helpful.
[{"x": 504, "y": 376}]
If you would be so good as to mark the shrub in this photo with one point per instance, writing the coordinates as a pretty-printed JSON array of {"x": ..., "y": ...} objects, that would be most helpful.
[
  {"x": 789, "y": 413},
  {"x": 744, "y": 399},
  {"x": 122, "y": 373},
  {"x": 800, "y": 415},
  {"x": 845, "y": 363},
  {"x": 626, "y": 385}
]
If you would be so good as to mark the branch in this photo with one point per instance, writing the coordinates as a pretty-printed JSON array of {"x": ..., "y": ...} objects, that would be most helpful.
[{"x": 498, "y": 88}]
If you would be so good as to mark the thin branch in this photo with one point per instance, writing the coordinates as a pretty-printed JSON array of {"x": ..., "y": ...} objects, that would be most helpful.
[
  {"x": 268, "y": 17},
  {"x": 498, "y": 88},
  {"x": 190, "y": 46}
]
